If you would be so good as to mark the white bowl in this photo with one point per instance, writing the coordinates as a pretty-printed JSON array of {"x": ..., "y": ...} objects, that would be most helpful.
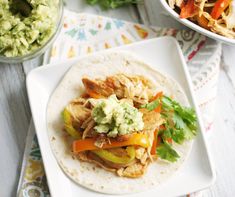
[{"x": 196, "y": 27}]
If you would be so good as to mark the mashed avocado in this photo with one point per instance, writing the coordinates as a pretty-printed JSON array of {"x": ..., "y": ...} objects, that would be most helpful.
[
  {"x": 116, "y": 117},
  {"x": 20, "y": 35}
]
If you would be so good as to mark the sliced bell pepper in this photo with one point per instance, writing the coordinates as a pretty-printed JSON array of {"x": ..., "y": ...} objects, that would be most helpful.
[
  {"x": 139, "y": 139},
  {"x": 154, "y": 145},
  {"x": 187, "y": 9},
  {"x": 107, "y": 155},
  {"x": 219, "y": 7},
  {"x": 202, "y": 21},
  {"x": 68, "y": 125},
  {"x": 157, "y": 96},
  {"x": 158, "y": 109}
]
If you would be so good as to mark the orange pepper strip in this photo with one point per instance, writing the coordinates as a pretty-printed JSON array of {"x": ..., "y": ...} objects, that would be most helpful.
[
  {"x": 154, "y": 145},
  {"x": 158, "y": 95},
  {"x": 202, "y": 21},
  {"x": 187, "y": 9},
  {"x": 219, "y": 7},
  {"x": 89, "y": 143},
  {"x": 158, "y": 109}
]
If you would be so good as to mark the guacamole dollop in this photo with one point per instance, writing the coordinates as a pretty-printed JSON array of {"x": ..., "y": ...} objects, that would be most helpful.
[
  {"x": 20, "y": 35},
  {"x": 116, "y": 117}
]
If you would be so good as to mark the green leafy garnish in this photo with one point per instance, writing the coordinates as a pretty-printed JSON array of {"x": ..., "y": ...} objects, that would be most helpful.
[
  {"x": 177, "y": 135},
  {"x": 183, "y": 118},
  {"x": 107, "y": 4},
  {"x": 151, "y": 106},
  {"x": 165, "y": 151},
  {"x": 180, "y": 125}
]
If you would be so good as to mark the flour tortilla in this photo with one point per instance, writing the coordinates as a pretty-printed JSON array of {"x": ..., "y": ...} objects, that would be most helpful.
[{"x": 87, "y": 174}]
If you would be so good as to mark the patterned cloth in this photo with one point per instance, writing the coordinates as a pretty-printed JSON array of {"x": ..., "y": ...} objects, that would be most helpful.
[{"x": 83, "y": 34}]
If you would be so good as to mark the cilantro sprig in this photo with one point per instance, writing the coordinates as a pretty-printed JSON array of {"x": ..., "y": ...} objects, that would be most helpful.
[
  {"x": 152, "y": 105},
  {"x": 107, "y": 4},
  {"x": 165, "y": 151},
  {"x": 180, "y": 125}
]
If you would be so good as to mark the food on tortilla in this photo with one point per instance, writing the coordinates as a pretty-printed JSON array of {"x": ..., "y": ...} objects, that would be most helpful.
[
  {"x": 124, "y": 128},
  {"x": 117, "y": 133},
  {"x": 215, "y": 15}
]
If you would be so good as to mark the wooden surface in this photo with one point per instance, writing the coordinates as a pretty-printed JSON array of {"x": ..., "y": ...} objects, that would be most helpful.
[{"x": 15, "y": 113}]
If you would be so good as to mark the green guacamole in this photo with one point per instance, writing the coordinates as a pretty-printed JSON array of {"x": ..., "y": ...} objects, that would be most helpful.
[
  {"x": 20, "y": 35},
  {"x": 116, "y": 117}
]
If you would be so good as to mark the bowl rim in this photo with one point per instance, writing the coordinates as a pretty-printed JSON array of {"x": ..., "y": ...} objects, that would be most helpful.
[
  {"x": 43, "y": 48},
  {"x": 196, "y": 27}
]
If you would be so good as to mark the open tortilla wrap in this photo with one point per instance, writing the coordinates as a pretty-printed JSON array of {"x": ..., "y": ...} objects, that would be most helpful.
[{"x": 87, "y": 174}]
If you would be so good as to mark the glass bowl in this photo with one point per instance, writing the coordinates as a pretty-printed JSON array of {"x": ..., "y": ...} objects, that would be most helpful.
[{"x": 39, "y": 51}]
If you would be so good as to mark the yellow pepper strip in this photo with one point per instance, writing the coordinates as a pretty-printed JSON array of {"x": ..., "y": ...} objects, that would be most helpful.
[
  {"x": 139, "y": 139},
  {"x": 68, "y": 125},
  {"x": 107, "y": 155}
]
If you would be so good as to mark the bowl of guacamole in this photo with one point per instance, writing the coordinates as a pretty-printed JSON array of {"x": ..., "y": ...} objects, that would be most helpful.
[{"x": 28, "y": 27}]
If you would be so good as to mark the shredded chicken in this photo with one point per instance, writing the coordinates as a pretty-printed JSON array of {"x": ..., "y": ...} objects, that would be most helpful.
[
  {"x": 152, "y": 120},
  {"x": 133, "y": 171},
  {"x": 172, "y": 3},
  {"x": 136, "y": 88},
  {"x": 141, "y": 154},
  {"x": 224, "y": 25},
  {"x": 89, "y": 128},
  {"x": 78, "y": 112}
]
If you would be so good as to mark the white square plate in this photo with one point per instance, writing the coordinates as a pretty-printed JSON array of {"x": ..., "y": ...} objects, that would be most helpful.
[
  {"x": 197, "y": 172},
  {"x": 196, "y": 27}
]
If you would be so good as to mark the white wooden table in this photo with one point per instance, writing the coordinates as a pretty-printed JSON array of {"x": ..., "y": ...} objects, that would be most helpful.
[{"x": 15, "y": 112}]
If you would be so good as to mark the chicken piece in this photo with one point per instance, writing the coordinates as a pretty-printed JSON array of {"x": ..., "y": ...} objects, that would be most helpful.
[
  {"x": 141, "y": 154},
  {"x": 98, "y": 87},
  {"x": 79, "y": 112},
  {"x": 136, "y": 88},
  {"x": 88, "y": 129},
  {"x": 133, "y": 171},
  {"x": 172, "y": 3},
  {"x": 152, "y": 120}
]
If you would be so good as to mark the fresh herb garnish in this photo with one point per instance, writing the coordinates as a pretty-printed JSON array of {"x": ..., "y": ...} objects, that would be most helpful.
[
  {"x": 151, "y": 106},
  {"x": 165, "y": 151},
  {"x": 107, "y": 4},
  {"x": 180, "y": 125}
]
